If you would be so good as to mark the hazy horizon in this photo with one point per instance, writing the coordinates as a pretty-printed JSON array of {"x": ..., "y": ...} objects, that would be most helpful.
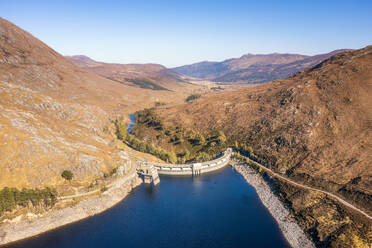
[{"x": 185, "y": 32}]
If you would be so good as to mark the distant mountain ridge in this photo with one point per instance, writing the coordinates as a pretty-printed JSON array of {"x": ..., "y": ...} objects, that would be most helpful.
[
  {"x": 253, "y": 68},
  {"x": 149, "y": 76},
  {"x": 82, "y": 61}
]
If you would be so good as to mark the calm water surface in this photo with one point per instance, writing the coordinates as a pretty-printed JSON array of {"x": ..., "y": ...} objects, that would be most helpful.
[
  {"x": 132, "y": 122},
  {"x": 212, "y": 210}
]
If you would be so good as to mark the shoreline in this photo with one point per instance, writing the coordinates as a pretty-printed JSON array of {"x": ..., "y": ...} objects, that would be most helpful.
[
  {"x": 20, "y": 230},
  {"x": 291, "y": 231},
  {"x": 12, "y": 232}
]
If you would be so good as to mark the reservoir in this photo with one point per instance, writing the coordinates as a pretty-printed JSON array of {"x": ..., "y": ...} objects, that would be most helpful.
[{"x": 217, "y": 209}]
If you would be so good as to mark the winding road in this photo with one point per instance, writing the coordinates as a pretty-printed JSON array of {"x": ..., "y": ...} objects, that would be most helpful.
[
  {"x": 129, "y": 176},
  {"x": 339, "y": 199},
  {"x": 334, "y": 196}
]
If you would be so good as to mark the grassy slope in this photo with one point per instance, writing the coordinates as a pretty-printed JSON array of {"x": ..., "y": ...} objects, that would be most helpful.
[{"x": 314, "y": 127}]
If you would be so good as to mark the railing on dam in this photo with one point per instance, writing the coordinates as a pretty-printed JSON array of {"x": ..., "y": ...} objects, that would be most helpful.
[{"x": 194, "y": 168}]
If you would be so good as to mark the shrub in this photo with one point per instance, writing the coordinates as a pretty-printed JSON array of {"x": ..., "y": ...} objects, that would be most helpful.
[
  {"x": 66, "y": 174},
  {"x": 192, "y": 97},
  {"x": 221, "y": 137},
  {"x": 172, "y": 158},
  {"x": 104, "y": 188},
  {"x": 250, "y": 151},
  {"x": 157, "y": 104},
  {"x": 200, "y": 140},
  {"x": 236, "y": 145}
]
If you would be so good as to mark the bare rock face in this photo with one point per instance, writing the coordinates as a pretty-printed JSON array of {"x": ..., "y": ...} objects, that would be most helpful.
[
  {"x": 290, "y": 229},
  {"x": 121, "y": 170},
  {"x": 42, "y": 137}
]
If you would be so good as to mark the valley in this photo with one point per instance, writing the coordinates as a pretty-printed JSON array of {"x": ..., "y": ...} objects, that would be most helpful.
[
  {"x": 74, "y": 132},
  {"x": 308, "y": 127}
]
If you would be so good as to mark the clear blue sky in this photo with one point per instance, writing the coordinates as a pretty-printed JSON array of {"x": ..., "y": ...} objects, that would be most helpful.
[{"x": 179, "y": 32}]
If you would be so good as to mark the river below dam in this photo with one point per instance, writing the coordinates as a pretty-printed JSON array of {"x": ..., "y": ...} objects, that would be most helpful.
[{"x": 217, "y": 209}]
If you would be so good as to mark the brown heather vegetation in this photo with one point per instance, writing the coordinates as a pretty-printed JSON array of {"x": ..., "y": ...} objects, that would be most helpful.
[
  {"x": 147, "y": 76},
  {"x": 55, "y": 116},
  {"x": 313, "y": 127}
]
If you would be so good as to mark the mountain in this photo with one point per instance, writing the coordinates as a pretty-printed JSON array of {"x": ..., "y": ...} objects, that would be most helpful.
[
  {"x": 253, "y": 68},
  {"x": 56, "y": 116},
  {"x": 83, "y": 61},
  {"x": 148, "y": 76},
  {"x": 27, "y": 62},
  {"x": 314, "y": 127},
  {"x": 53, "y": 115}
]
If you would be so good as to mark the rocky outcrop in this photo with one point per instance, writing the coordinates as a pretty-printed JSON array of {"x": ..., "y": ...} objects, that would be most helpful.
[{"x": 290, "y": 229}]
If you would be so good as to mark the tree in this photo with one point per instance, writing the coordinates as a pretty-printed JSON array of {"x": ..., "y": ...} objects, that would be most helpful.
[
  {"x": 200, "y": 139},
  {"x": 172, "y": 157},
  {"x": 7, "y": 200},
  {"x": 142, "y": 146},
  {"x": 250, "y": 150},
  {"x": 192, "y": 97},
  {"x": 203, "y": 156},
  {"x": 236, "y": 145},
  {"x": 121, "y": 130},
  {"x": 11, "y": 197},
  {"x": 186, "y": 154},
  {"x": 221, "y": 137},
  {"x": 238, "y": 156},
  {"x": 66, "y": 174}
]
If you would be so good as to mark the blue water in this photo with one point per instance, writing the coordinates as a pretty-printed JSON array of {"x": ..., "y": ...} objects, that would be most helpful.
[
  {"x": 132, "y": 122},
  {"x": 212, "y": 210}
]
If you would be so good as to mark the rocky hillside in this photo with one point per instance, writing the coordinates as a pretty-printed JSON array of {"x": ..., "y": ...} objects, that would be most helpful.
[
  {"x": 148, "y": 76},
  {"x": 55, "y": 115},
  {"x": 28, "y": 62},
  {"x": 41, "y": 137},
  {"x": 314, "y": 127},
  {"x": 253, "y": 68}
]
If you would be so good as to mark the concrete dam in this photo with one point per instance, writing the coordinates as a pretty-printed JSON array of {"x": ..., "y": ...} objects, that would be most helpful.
[{"x": 151, "y": 170}]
